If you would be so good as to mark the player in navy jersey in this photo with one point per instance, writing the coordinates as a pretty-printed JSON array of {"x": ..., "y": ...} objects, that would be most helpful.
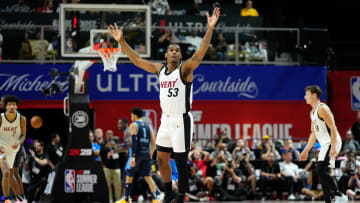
[
  {"x": 175, "y": 132},
  {"x": 324, "y": 130},
  {"x": 140, "y": 153}
]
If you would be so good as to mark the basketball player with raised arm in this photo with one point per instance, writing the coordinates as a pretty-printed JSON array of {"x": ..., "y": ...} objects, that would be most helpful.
[
  {"x": 175, "y": 78},
  {"x": 323, "y": 129},
  {"x": 12, "y": 135}
]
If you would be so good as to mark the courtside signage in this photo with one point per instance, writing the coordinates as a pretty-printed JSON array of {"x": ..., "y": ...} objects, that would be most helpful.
[{"x": 211, "y": 82}]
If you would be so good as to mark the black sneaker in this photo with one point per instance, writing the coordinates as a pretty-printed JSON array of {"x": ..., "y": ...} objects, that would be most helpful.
[
  {"x": 179, "y": 198},
  {"x": 169, "y": 197}
]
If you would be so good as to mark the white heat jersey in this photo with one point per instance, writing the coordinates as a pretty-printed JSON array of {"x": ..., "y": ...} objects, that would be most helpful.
[
  {"x": 10, "y": 132},
  {"x": 321, "y": 130},
  {"x": 175, "y": 92}
]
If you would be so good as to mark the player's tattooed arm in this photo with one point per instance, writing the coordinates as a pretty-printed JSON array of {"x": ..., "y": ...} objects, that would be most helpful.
[{"x": 23, "y": 129}]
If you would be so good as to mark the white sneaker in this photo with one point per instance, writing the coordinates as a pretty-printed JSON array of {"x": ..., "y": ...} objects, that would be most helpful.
[
  {"x": 291, "y": 197},
  {"x": 140, "y": 199},
  {"x": 341, "y": 199},
  {"x": 162, "y": 196}
]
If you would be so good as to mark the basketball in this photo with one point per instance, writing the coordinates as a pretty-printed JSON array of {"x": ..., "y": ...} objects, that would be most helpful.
[{"x": 36, "y": 122}]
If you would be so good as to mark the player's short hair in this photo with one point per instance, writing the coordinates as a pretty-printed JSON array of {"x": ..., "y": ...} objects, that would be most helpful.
[
  {"x": 314, "y": 89},
  {"x": 167, "y": 48},
  {"x": 137, "y": 111},
  {"x": 124, "y": 120},
  {"x": 10, "y": 98},
  {"x": 53, "y": 135}
]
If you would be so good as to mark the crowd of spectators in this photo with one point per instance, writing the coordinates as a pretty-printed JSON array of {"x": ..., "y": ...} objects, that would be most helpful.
[
  {"x": 221, "y": 48},
  {"x": 223, "y": 169}
]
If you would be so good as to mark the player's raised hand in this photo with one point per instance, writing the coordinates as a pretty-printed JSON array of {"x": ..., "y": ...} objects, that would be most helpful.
[
  {"x": 115, "y": 32},
  {"x": 303, "y": 156},
  {"x": 212, "y": 20}
]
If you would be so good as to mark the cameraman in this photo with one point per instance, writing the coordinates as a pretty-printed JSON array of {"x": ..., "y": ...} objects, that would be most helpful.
[
  {"x": 353, "y": 184},
  {"x": 348, "y": 168},
  {"x": 231, "y": 184},
  {"x": 39, "y": 170},
  {"x": 241, "y": 150},
  {"x": 311, "y": 188}
]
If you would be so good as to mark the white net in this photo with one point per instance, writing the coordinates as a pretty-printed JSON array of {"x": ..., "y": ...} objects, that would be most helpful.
[{"x": 109, "y": 58}]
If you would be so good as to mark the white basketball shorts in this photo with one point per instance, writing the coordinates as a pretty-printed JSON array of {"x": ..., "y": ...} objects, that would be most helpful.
[
  {"x": 175, "y": 133},
  {"x": 9, "y": 155}
]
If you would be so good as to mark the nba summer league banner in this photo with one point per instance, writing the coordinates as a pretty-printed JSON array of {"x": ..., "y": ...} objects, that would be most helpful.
[{"x": 211, "y": 82}]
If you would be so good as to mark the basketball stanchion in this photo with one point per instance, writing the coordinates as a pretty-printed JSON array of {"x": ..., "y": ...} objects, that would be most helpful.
[{"x": 79, "y": 177}]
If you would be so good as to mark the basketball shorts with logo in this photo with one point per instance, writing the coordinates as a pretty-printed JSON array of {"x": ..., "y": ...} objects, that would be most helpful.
[{"x": 175, "y": 133}]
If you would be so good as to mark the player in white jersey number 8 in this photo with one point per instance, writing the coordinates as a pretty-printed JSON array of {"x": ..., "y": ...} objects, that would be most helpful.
[
  {"x": 175, "y": 131},
  {"x": 323, "y": 129}
]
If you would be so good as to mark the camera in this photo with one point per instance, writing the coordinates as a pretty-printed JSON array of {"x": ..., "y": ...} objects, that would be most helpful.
[{"x": 351, "y": 172}]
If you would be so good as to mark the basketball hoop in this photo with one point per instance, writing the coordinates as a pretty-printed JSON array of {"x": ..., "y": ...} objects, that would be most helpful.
[{"x": 109, "y": 57}]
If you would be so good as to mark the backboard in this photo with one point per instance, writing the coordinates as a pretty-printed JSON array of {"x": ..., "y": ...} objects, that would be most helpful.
[{"x": 85, "y": 25}]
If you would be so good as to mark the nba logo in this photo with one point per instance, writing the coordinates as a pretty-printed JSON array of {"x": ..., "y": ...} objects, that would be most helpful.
[
  {"x": 69, "y": 180},
  {"x": 355, "y": 93}
]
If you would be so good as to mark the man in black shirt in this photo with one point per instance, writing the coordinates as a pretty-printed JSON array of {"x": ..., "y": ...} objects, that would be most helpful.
[
  {"x": 55, "y": 150},
  {"x": 270, "y": 176},
  {"x": 355, "y": 129},
  {"x": 39, "y": 170},
  {"x": 232, "y": 185}
]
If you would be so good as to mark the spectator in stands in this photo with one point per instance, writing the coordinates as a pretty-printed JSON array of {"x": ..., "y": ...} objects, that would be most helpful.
[
  {"x": 269, "y": 148},
  {"x": 160, "y": 7},
  {"x": 349, "y": 144},
  {"x": 221, "y": 47},
  {"x": 240, "y": 151},
  {"x": 289, "y": 146},
  {"x": 221, "y": 153},
  {"x": 355, "y": 128},
  {"x": 310, "y": 189},
  {"x": 348, "y": 167},
  {"x": 99, "y": 136},
  {"x": 25, "y": 52},
  {"x": 37, "y": 44},
  {"x": 48, "y": 7},
  {"x": 218, "y": 159},
  {"x": 200, "y": 159},
  {"x": 20, "y": 7},
  {"x": 289, "y": 171},
  {"x": 230, "y": 183},
  {"x": 248, "y": 171},
  {"x": 194, "y": 11},
  {"x": 353, "y": 186},
  {"x": 110, "y": 159},
  {"x": 193, "y": 39},
  {"x": 95, "y": 146},
  {"x": 164, "y": 41},
  {"x": 221, "y": 137},
  {"x": 199, "y": 187},
  {"x": 249, "y": 10},
  {"x": 270, "y": 177}
]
